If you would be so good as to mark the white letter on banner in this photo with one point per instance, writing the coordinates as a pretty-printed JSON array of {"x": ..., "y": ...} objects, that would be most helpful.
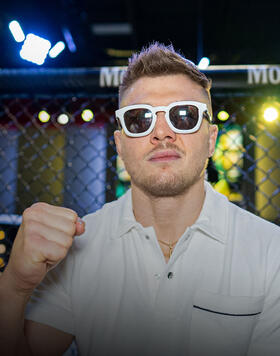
[
  {"x": 256, "y": 74},
  {"x": 109, "y": 76},
  {"x": 274, "y": 75}
]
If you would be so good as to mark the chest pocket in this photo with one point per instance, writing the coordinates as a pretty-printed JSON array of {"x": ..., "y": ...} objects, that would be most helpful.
[{"x": 222, "y": 325}]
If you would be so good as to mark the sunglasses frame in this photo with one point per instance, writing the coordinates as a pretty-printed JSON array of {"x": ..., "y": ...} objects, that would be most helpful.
[{"x": 202, "y": 112}]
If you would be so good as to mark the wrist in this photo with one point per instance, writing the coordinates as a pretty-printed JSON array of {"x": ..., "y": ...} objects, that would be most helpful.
[{"x": 11, "y": 288}]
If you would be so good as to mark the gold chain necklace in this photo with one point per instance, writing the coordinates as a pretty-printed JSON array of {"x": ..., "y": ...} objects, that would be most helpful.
[{"x": 170, "y": 245}]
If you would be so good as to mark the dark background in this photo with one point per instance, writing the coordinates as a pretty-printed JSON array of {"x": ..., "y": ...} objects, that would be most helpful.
[{"x": 227, "y": 31}]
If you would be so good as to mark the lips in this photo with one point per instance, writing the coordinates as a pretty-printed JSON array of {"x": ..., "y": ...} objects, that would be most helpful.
[{"x": 163, "y": 156}]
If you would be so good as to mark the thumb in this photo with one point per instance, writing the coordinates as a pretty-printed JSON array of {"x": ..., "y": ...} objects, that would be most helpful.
[{"x": 80, "y": 227}]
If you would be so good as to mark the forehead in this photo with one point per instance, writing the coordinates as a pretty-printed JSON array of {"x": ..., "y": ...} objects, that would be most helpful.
[{"x": 163, "y": 90}]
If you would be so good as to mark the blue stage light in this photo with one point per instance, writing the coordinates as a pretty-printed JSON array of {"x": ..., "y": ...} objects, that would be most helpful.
[
  {"x": 57, "y": 49},
  {"x": 35, "y": 49},
  {"x": 69, "y": 39},
  {"x": 16, "y": 31}
]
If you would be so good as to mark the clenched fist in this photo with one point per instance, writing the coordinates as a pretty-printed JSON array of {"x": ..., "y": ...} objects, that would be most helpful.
[{"x": 42, "y": 241}]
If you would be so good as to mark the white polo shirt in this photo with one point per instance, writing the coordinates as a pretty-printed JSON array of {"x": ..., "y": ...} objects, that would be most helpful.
[{"x": 219, "y": 294}]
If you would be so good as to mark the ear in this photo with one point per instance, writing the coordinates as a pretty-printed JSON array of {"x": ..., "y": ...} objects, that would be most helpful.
[
  {"x": 118, "y": 142},
  {"x": 213, "y": 133}
]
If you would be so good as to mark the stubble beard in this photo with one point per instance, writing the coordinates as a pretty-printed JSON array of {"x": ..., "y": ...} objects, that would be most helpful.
[
  {"x": 165, "y": 180},
  {"x": 167, "y": 183}
]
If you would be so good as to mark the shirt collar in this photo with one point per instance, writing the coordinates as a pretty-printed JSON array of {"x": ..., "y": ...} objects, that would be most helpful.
[
  {"x": 127, "y": 219},
  {"x": 213, "y": 219}
]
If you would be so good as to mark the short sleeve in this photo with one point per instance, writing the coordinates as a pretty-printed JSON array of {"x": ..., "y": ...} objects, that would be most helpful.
[{"x": 266, "y": 337}]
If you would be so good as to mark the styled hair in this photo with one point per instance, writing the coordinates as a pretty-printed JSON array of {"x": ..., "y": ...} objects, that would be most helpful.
[{"x": 156, "y": 60}]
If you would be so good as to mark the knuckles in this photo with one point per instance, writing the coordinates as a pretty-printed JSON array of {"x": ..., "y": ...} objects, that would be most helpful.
[
  {"x": 40, "y": 241},
  {"x": 39, "y": 210},
  {"x": 28, "y": 214},
  {"x": 34, "y": 211},
  {"x": 70, "y": 229},
  {"x": 37, "y": 221},
  {"x": 39, "y": 205},
  {"x": 71, "y": 215}
]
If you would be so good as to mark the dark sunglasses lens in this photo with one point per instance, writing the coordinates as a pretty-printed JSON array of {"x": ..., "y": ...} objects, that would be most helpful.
[
  {"x": 184, "y": 117},
  {"x": 138, "y": 120}
]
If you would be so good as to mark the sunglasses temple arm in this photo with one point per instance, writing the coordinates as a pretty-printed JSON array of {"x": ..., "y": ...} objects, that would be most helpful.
[
  {"x": 118, "y": 123},
  {"x": 207, "y": 116}
]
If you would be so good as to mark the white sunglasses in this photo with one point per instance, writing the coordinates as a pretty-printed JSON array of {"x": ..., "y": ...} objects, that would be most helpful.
[{"x": 181, "y": 116}]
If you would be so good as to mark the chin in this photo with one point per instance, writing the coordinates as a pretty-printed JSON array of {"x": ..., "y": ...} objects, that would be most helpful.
[{"x": 161, "y": 186}]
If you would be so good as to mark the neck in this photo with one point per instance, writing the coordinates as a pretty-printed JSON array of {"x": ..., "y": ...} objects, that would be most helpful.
[{"x": 170, "y": 216}]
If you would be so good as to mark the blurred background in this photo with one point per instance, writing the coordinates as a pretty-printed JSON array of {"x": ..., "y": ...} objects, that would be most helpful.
[
  {"x": 60, "y": 66},
  {"x": 98, "y": 33}
]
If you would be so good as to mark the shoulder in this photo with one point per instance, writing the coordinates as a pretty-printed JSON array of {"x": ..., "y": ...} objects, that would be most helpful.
[
  {"x": 237, "y": 224},
  {"x": 252, "y": 243},
  {"x": 254, "y": 237},
  {"x": 252, "y": 226},
  {"x": 240, "y": 221}
]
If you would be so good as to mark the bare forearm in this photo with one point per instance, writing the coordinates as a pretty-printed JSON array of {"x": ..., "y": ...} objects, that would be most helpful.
[
  {"x": 12, "y": 307},
  {"x": 43, "y": 240}
]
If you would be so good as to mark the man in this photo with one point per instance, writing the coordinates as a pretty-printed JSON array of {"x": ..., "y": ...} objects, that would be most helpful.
[{"x": 171, "y": 268}]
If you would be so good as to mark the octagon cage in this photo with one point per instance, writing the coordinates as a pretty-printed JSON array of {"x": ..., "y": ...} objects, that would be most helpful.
[{"x": 57, "y": 146}]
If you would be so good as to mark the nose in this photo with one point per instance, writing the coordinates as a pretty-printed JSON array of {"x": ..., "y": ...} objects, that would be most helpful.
[{"x": 161, "y": 130}]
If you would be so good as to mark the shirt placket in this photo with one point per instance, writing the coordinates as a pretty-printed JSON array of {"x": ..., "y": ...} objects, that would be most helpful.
[{"x": 172, "y": 308}]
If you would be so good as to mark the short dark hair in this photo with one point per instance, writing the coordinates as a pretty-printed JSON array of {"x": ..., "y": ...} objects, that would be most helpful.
[{"x": 158, "y": 59}]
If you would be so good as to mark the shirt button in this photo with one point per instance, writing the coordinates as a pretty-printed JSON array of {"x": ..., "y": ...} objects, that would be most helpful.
[
  {"x": 147, "y": 237},
  {"x": 170, "y": 275}
]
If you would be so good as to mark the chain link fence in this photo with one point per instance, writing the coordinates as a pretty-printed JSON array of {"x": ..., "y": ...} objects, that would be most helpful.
[
  {"x": 65, "y": 160},
  {"x": 60, "y": 163}
]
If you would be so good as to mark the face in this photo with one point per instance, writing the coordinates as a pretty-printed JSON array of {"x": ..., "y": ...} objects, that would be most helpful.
[{"x": 165, "y": 163}]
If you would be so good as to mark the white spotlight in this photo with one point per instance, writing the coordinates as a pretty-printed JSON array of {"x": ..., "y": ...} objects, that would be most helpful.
[
  {"x": 35, "y": 49},
  {"x": 63, "y": 119},
  {"x": 203, "y": 63},
  {"x": 57, "y": 49},
  {"x": 270, "y": 114},
  {"x": 16, "y": 31}
]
